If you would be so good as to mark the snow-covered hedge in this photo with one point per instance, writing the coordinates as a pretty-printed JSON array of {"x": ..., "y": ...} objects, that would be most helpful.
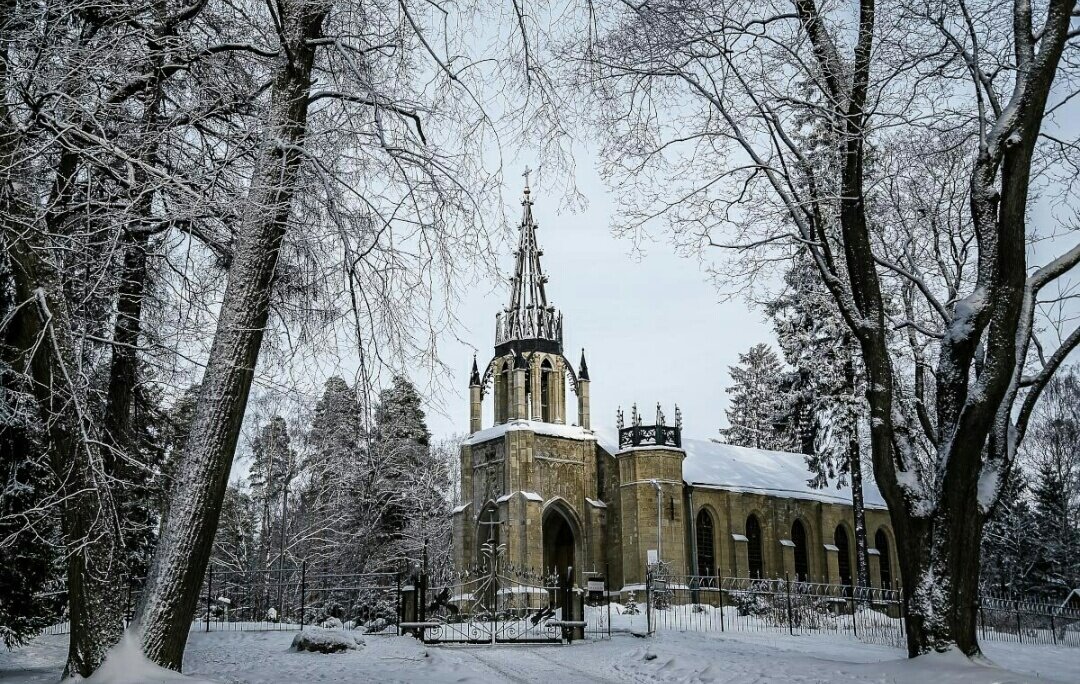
[{"x": 319, "y": 640}]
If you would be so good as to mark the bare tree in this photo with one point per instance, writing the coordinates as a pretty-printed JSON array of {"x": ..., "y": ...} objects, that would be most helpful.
[{"x": 899, "y": 144}]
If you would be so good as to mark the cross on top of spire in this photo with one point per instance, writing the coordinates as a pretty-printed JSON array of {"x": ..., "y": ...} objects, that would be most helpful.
[{"x": 528, "y": 316}]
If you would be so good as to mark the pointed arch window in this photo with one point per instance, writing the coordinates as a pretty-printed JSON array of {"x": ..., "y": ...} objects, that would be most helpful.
[
  {"x": 545, "y": 391},
  {"x": 802, "y": 556},
  {"x": 706, "y": 554},
  {"x": 843, "y": 555},
  {"x": 502, "y": 392},
  {"x": 881, "y": 542},
  {"x": 754, "y": 556}
]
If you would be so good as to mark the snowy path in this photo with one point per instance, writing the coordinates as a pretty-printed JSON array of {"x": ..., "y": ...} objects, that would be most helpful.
[{"x": 264, "y": 658}]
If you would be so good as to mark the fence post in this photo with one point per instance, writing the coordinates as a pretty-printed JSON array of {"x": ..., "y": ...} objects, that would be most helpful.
[
  {"x": 854, "y": 615},
  {"x": 790, "y": 613},
  {"x": 607, "y": 595},
  {"x": 902, "y": 599},
  {"x": 1019, "y": 634},
  {"x": 648, "y": 601},
  {"x": 400, "y": 606},
  {"x": 209, "y": 591},
  {"x": 127, "y": 601},
  {"x": 303, "y": 592},
  {"x": 1053, "y": 629},
  {"x": 720, "y": 586}
]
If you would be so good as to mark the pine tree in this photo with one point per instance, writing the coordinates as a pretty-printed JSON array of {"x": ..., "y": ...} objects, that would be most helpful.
[
  {"x": 273, "y": 467},
  {"x": 335, "y": 496},
  {"x": 235, "y": 541},
  {"x": 755, "y": 411}
]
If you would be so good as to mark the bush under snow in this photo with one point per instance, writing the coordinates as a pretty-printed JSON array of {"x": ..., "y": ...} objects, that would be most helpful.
[
  {"x": 319, "y": 640},
  {"x": 331, "y": 623}
]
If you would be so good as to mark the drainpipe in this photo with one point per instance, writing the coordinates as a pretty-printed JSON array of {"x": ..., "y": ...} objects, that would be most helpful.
[{"x": 659, "y": 507}]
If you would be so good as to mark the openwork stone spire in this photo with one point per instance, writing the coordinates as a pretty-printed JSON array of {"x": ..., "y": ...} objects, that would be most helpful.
[{"x": 528, "y": 316}]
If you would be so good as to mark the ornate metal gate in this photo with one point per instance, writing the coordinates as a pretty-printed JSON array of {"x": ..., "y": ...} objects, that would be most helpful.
[{"x": 497, "y": 603}]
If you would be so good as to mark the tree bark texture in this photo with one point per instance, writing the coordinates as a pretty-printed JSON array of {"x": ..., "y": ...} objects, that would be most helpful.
[
  {"x": 172, "y": 592},
  {"x": 38, "y": 339},
  {"x": 939, "y": 532}
]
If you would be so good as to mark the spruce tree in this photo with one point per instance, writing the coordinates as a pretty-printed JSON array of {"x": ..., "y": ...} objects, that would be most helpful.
[
  {"x": 822, "y": 401},
  {"x": 1008, "y": 548},
  {"x": 1056, "y": 537},
  {"x": 401, "y": 449},
  {"x": 754, "y": 413}
]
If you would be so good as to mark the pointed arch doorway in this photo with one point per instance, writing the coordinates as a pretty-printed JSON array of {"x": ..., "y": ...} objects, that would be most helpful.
[{"x": 560, "y": 542}]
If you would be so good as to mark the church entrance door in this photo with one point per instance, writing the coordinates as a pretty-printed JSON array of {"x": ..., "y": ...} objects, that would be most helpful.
[{"x": 559, "y": 544}]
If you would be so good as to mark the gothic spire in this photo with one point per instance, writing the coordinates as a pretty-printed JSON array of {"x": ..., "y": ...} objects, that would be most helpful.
[
  {"x": 583, "y": 368},
  {"x": 528, "y": 315}
]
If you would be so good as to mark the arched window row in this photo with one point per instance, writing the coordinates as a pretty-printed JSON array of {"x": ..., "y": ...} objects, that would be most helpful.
[
  {"x": 802, "y": 553},
  {"x": 705, "y": 538},
  {"x": 754, "y": 552},
  {"x": 843, "y": 555},
  {"x": 881, "y": 543}
]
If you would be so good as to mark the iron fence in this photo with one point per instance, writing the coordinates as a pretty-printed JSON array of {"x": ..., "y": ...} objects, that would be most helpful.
[
  {"x": 1028, "y": 622},
  {"x": 690, "y": 603},
  {"x": 282, "y": 599}
]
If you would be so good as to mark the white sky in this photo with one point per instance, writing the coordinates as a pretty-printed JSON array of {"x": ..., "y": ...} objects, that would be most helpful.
[{"x": 652, "y": 325}]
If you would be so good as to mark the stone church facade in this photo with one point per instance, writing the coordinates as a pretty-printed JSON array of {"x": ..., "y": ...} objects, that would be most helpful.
[{"x": 554, "y": 493}]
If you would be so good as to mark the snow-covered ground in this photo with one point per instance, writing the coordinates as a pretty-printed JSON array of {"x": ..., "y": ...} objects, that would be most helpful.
[{"x": 265, "y": 657}]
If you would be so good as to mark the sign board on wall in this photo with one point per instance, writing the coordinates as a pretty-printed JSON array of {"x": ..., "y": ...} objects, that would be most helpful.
[
  {"x": 596, "y": 585},
  {"x": 653, "y": 557}
]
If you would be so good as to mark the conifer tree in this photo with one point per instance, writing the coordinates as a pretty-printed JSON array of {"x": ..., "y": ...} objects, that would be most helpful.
[
  {"x": 822, "y": 404},
  {"x": 273, "y": 467},
  {"x": 755, "y": 411},
  {"x": 1008, "y": 547},
  {"x": 1056, "y": 539},
  {"x": 402, "y": 452}
]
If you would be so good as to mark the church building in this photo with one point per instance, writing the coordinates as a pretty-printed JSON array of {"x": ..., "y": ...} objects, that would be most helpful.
[{"x": 556, "y": 493}]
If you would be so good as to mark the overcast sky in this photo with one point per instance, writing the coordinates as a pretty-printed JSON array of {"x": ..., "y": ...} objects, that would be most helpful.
[{"x": 652, "y": 324}]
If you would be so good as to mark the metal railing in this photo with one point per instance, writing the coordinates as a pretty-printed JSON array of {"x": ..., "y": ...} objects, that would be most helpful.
[
  {"x": 283, "y": 599},
  {"x": 691, "y": 603}
]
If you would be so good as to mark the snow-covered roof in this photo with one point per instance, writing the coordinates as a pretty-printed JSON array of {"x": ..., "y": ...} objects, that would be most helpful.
[
  {"x": 777, "y": 473},
  {"x": 550, "y": 429},
  {"x": 711, "y": 464}
]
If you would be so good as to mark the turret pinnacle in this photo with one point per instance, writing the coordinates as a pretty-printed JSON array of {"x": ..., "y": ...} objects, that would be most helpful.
[
  {"x": 474, "y": 379},
  {"x": 583, "y": 368}
]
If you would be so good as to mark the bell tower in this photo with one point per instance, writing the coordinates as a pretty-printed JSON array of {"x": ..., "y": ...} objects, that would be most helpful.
[
  {"x": 528, "y": 373},
  {"x": 532, "y": 480}
]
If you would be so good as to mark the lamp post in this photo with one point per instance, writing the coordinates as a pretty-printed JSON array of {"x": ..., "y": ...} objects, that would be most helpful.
[{"x": 658, "y": 508}]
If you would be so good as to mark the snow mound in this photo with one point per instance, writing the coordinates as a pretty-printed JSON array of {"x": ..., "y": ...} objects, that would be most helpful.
[
  {"x": 319, "y": 640},
  {"x": 126, "y": 664},
  {"x": 331, "y": 623}
]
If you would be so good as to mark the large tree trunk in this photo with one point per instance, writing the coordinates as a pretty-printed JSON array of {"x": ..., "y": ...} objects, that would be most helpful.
[
  {"x": 39, "y": 340},
  {"x": 172, "y": 591}
]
